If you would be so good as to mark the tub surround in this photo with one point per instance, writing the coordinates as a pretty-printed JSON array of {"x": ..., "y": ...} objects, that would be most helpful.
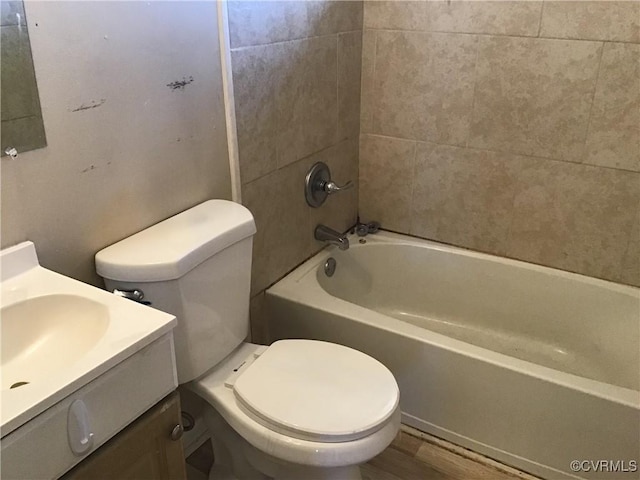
[
  {"x": 506, "y": 127},
  {"x": 557, "y": 373},
  {"x": 296, "y": 79}
]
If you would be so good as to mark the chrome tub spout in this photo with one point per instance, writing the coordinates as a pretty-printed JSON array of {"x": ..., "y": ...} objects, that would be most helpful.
[{"x": 326, "y": 234}]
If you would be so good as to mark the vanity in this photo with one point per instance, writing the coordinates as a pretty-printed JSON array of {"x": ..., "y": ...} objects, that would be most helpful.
[{"x": 88, "y": 379}]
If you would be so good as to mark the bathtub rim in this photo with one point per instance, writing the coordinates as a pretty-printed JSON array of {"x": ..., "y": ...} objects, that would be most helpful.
[
  {"x": 301, "y": 286},
  {"x": 387, "y": 237}
]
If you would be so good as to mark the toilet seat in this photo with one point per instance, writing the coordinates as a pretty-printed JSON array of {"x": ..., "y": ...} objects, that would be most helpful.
[
  {"x": 216, "y": 388},
  {"x": 317, "y": 391}
]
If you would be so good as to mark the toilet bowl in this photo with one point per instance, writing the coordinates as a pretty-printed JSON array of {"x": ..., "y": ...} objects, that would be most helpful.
[
  {"x": 293, "y": 436},
  {"x": 295, "y": 410}
]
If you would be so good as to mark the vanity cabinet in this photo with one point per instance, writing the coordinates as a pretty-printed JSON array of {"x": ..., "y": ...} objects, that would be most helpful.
[
  {"x": 143, "y": 450},
  {"x": 63, "y": 436}
]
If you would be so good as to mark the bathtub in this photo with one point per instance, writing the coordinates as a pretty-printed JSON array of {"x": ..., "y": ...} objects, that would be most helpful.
[{"x": 532, "y": 366}]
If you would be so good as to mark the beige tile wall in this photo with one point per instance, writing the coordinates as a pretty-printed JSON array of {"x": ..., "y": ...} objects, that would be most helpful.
[
  {"x": 510, "y": 127},
  {"x": 296, "y": 72}
]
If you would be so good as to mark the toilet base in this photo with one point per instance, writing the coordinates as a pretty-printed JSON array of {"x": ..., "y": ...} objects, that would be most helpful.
[{"x": 232, "y": 453}]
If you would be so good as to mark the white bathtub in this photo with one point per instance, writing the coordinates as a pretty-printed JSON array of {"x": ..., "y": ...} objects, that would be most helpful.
[{"x": 531, "y": 366}]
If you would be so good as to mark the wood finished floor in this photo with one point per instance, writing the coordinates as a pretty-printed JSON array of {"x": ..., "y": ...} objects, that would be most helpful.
[
  {"x": 429, "y": 458},
  {"x": 407, "y": 458}
]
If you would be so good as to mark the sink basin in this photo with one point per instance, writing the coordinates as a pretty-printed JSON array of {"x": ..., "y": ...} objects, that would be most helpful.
[
  {"x": 46, "y": 334},
  {"x": 58, "y": 334}
]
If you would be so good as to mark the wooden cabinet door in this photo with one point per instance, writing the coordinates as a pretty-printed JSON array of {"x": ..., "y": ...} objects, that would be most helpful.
[{"x": 142, "y": 451}]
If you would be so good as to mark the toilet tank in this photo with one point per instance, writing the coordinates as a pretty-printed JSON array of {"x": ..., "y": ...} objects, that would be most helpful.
[{"x": 197, "y": 266}]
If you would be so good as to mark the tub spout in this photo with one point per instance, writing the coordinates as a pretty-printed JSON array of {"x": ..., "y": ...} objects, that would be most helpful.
[{"x": 326, "y": 234}]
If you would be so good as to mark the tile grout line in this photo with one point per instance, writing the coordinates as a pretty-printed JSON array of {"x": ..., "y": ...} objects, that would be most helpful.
[
  {"x": 593, "y": 99},
  {"x": 540, "y": 22},
  {"x": 414, "y": 168},
  {"x": 475, "y": 86},
  {"x": 623, "y": 257},
  {"x": 362, "y": 75},
  {"x": 506, "y": 152},
  {"x": 337, "y": 135},
  {"x": 316, "y": 152},
  {"x": 501, "y": 35},
  {"x": 372, "y": 92},
  {"x": 297, "y": 39},
  {"x": 518, "y": 184}
]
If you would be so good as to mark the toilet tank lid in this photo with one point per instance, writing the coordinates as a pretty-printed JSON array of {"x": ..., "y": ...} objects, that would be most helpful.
[{"x": 169, "y": 249}]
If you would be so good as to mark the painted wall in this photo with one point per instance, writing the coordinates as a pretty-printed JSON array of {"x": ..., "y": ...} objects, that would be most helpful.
[
  {"x": 506, "y": 127},
  {"x": 296, "y": 79},
  {"x": 131, "y": 96}
]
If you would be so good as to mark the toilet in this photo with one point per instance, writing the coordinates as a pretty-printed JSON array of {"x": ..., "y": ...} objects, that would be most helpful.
[{"x": 297, "y": 409}]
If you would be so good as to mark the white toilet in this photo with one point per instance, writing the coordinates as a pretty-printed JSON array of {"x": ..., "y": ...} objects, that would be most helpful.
[{"x": 298, "y": 409}]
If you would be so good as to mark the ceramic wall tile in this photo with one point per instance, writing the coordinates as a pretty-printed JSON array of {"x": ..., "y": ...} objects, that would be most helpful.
[
  {"x": 464, "y": 196},
  {"x": 349, "y": 79},
  {"x": 307, "y": 101},
  {"x": 367, "y": 103},
  {"x": 262, "y": 22},
  {"x": 257, "y": 85},
  {"x": 395, "y": 14},
  {"x": 630, "y": 272},
  {"x": 340, "y": 210},
  {"x": 589, "y": 20},
  {"x": 259, "y": 319},
  {"x": 263, "y": 200},
  {"x": 528, "y": 112},
  {"x": 521, "y": 18},
  {"x": 424, "y": 86},
  {"x": 283, "y": 237},
  {"x": 386, "y": 177},
  {"x": 291, "y": 240},
  {"x": 614, "y": 131},
  {"x": 574, "y": 217},
  {"x": 533, "y": 96},
  {"x": 296, "y": 72},
  {"x": 334, "y": 16}
]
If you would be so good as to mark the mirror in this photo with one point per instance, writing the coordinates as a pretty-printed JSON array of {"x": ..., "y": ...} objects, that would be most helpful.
[{"x": 22, "y": 125}]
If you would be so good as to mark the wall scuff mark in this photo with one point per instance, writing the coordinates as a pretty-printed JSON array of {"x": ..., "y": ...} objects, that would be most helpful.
[
  {"x": 92, "y": 104},
  {"x": 180, "y": 84}
]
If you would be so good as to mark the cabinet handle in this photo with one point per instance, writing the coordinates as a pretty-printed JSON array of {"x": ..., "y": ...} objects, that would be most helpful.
[
  {"x": 176, "y": 433},
  {"x": 79, "y": 428}
]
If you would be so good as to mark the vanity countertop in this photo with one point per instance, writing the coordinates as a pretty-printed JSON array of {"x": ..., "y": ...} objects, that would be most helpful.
[{"x": 30, "y": 292}]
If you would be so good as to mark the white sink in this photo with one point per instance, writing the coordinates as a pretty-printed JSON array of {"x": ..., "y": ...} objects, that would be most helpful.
[
  {"x": 45, "y": 335},
  {"x": 59, "y": 334}
]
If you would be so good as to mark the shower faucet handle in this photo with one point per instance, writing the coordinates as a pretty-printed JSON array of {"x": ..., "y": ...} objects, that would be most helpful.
[
  {"x": 331, "y": 187},
  {"x": 318, "y": 185}
]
